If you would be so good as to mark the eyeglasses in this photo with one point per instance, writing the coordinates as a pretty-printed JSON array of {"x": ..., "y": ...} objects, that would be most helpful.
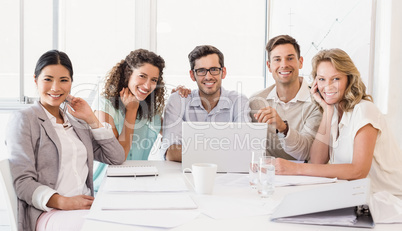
[{"x": 212, "y": 71}]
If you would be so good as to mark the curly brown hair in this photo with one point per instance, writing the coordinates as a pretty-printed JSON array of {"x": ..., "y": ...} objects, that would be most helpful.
[
  {"x": 355, "y": 90},
  {"x": 119, "y": 75}
]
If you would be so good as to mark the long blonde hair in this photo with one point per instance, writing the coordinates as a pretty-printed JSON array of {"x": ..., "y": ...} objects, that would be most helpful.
[{"x": 355, "y": 90}]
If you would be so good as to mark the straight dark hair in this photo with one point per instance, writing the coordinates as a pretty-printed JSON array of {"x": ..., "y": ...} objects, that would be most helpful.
[
  {"x": 54, "y": 57},
  {"x": 204, "y": 50}
]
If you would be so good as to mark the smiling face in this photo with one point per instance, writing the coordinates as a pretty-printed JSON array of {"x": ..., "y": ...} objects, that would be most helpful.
[
  {"x": 54, "y": 85},
  {"x": 331, "y": 83},
  {"x": 143, "y": 81},
  {"x": 284, "y": 64},
  {"x": 209, "y": 85}
]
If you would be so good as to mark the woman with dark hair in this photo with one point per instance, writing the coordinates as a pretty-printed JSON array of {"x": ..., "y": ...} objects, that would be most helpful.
[
  {"x": 132, "y": 103},
  {"x": 52, "y": 153},
  {"x": 353, "y": 135}
]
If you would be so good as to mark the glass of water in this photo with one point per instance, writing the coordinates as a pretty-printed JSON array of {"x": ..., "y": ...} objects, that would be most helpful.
[
  {"x": 266, "y": 181},
  {"x": 253, "y": 170}
]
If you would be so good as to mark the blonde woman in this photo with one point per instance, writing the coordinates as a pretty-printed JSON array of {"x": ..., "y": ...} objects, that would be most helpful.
[{"x": 353, "y": 135}]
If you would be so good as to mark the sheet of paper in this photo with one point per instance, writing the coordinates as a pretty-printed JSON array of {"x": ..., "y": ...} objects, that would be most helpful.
[
  {"x": 126, "y": 170},
  {"x": 241, "y": 180},
  {"x": 232, "y": 179},
  {"x": 151, "y": 201},
  {"x": 219, "y": 207},
  {"x": 145, "y": 184},
  {"x": 151, "y": 218},
  {"x": 281, "y": 180}
]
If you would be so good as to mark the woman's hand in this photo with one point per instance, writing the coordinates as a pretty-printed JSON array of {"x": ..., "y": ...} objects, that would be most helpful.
[
  {"x": 318, "y": 97},
  {"x": 285, "y": 167},
  {"x": 70, "y": 203},
  {"x": 182, "y": 91},
  {"x": 129, "y": 100},
  {"x": 80, "y": 109}
]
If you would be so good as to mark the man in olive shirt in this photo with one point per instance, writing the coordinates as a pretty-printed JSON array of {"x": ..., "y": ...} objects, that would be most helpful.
[{"x": 286, "y": 106}]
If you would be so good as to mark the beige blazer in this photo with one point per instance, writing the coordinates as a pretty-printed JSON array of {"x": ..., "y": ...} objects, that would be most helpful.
[{"x": 34, "y": 156}]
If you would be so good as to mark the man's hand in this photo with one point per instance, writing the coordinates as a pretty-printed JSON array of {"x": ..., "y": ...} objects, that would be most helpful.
[
  {"x": 182, "y": 91},
  {"x": 270, "y": 116},
  {"x": 174, "y": 153}
]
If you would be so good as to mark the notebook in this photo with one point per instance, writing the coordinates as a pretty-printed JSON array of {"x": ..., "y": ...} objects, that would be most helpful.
[
  {"x": 127, "y": 170},
  {"x": 227, "y": 144}
]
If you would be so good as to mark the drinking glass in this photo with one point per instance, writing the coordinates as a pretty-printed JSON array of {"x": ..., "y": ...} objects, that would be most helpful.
[
  {"x": 253, "y": 169},
  {"x": 266, "y": 181}
]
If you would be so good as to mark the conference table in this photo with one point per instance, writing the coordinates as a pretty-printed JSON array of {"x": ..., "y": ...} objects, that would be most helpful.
[{"x": 236, "y": 194}]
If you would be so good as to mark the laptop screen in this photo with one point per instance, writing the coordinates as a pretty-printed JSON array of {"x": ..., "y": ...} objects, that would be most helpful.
[{"x": 227, "y": 144}]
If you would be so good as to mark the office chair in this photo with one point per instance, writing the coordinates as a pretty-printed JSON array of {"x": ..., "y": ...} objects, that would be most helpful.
[{"x": 11, "y": 196}]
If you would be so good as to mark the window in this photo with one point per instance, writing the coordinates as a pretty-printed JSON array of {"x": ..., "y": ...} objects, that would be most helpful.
[
  {"x": 318, "y": 25},
  {"x": 236, "y": 28},
  {"x": 94, "y": 40},
  {"x": 97, "y": 39},
  {"x": 97, "y": 34}
]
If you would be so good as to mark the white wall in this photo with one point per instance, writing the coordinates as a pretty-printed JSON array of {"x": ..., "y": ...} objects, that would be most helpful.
[
  {"x": 4, "y": 117},
  {"x": 388, "y": 62}
]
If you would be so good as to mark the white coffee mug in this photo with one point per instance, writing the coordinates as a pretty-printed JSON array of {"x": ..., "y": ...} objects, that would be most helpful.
[{"x": 204, "y": 177}]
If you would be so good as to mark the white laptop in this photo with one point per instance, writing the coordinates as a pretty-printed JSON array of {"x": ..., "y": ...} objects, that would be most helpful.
[{"x": 227, "y": 144}]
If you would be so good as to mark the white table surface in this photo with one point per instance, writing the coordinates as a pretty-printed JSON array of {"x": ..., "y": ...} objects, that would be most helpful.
[{"x": 204, "y": 222}]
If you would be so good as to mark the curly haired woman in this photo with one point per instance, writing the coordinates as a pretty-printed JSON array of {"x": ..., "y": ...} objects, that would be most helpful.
[{"x": 132, "y": 103}]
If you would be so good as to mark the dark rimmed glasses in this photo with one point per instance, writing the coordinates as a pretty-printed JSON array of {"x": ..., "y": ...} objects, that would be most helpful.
[{"x": 204, "y": 71}]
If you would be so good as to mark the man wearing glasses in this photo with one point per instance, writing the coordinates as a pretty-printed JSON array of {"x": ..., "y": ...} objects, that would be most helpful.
[
  {"x": 209, "y": 103},
  {"x": 286, "y": 106}
]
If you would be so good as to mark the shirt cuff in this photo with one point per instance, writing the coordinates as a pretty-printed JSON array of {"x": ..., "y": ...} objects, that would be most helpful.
[
  {"x": 163, "y": 149},
  {"x": 165, "y": 145},
  {"x": 291, "y": 144},
  {"x": 103, "y": 133},
  {"x": 41, "y": 196},
  {"x": 288, "y": 140}
]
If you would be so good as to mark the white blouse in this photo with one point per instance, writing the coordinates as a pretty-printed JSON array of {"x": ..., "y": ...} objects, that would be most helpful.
[{"x": 386, "y": 168}]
